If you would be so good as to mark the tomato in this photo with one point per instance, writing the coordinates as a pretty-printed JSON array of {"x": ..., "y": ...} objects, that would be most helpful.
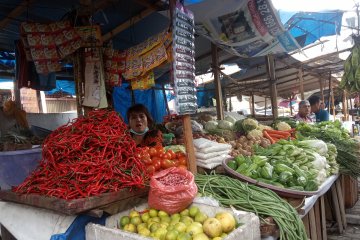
[
  {"x": 182, "y": 160},
  {"x": 150, "y": 170},
  {"x": 166, "y": 163},
  {"x": 180, "y": 154},
  {"x": 147, "y": 160},
  {"x": 172, "y": 154},
  {"x": 156, "y": 162},
  {"x": 167, "y": 155},
  {"x": 160, "y": 152},
  {"x": 152, "y": 152},
  {"x": 182, "y": 166},
  {"x": 175, "y": 162},
  {"x": 145, "y": 149}
]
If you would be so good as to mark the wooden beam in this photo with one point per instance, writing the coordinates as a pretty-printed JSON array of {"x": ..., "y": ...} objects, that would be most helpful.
[
  {"x": 322, "y": 90},
  {"x": 89, "y": 7},
  {"x": 252, "y": 104},
  {"x": 345, "y": 106},
  {"x": 218, "y": 93},
  {"x": 301, "y": 84},
  {"x": 15, "y": 13},
  {"x": 332, "y": 96},
  {"x": 270, "y": 67},
  {"x": 265, "y": 105},
  {"x": 189, "y": 145},
  {"x": 133, "y": 20},
  {"x": 146, "y": 3}
]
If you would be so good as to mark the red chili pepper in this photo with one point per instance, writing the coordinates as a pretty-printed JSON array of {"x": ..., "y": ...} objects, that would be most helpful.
[{"x": 87, "y": 157}]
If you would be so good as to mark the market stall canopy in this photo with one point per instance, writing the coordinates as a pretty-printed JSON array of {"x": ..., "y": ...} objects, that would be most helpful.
[{"x": 307, "y": 27}]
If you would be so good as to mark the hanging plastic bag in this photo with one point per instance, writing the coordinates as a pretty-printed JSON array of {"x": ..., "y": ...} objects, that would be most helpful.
[{"x": 172, "y": 190}]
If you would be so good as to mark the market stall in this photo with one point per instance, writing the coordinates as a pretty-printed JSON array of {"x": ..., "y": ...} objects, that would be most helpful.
[{"x": 94, "y": 182}]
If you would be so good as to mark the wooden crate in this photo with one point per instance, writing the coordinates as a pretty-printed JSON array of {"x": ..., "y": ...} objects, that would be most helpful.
[
  {"x": 76, "y": 206},
  {"x": 350, "y": 190}
]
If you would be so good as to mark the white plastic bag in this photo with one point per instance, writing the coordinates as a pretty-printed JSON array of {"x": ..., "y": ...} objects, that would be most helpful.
[{"x": 201, "y": 155}]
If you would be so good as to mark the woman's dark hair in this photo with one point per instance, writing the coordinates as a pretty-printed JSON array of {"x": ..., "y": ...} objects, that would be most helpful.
[
  {"x": 139, "y": 108},
  {"x": 314, "y": 100}
]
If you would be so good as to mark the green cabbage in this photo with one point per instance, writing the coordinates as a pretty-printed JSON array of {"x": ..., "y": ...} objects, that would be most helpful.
[
  {"x": 230, "y": 119},
  {"x": 223, "y": 124},
  {"x": 211, "y": 125}
]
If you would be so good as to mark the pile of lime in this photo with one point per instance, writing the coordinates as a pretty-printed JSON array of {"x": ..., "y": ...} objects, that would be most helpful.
[{"x": 189, "y": 224}]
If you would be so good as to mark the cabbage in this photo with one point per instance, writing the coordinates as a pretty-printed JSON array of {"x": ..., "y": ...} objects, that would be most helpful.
[
  {"x": 282, "y": 126},
  {"x": 223, "y": 124},
  {"x": 319, "y": 145},
  {"x": 230, "y": 119},
  {"x": 211, "y": 125},
  {"x": 319, "y": 162},
  {"x": 249, "y": 124},
  {"x": 262, "y": 127},
  {"x": 255, "y": 133},
  {"x": 238, "y": 126}
]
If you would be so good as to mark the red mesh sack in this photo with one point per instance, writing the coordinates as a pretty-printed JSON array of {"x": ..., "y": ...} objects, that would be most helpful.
[{"x": 172, "y": 190}]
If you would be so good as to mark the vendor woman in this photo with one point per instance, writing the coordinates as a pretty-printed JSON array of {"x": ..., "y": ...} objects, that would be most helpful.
[{"x": 140, "y": 121}]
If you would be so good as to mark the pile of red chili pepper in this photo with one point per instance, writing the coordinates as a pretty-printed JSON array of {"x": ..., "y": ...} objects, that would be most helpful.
[{"x": 87, "y": 157}]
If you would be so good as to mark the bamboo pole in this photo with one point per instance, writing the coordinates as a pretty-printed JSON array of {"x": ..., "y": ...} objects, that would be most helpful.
[
  {"x": 271, "y": 74},
  {"x": 301, "y": 80},
  {"x": 345, "y": 106},
  {"x": 322, "y": 90},
  {"x": 218, "y": 93}
]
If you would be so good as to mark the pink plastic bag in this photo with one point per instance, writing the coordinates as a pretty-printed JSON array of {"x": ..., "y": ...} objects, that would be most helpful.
[{"x": 172, "y": 190}]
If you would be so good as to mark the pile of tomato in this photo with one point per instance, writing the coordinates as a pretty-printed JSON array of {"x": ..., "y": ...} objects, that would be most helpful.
[{"x": 158, "y": 158}]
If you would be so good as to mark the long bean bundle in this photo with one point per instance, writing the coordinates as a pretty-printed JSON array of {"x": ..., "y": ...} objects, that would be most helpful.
[{"x": 263, "y": 202}]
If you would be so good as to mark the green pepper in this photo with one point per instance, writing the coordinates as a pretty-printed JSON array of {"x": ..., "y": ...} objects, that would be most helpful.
[
  {"x": 232, "y": 164},
  {"x": 311, "y": 185},
  {"x": 298, "y": 171},
  {"x": 267, "y": 171},
  {"x": 242, "y": 168},
  {"x": 285, "y": 177},
  {"x": 301, "y": 181},
  {"x": 279, "y": 168},
  {"x": 240, "y": 160},
  {"x": 249, "y": 171},
  {"x": 259, "y": 160},
  {"x": 267, "y": 181}
]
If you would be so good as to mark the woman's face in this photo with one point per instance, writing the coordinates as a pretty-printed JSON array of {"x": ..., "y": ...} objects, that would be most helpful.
[{"x": 138, "y": 122}]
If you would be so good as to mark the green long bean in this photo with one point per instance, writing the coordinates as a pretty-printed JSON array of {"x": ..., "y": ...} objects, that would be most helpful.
[{"x": 263, "y": 202}]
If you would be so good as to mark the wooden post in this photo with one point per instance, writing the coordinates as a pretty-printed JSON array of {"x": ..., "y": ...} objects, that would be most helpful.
[
  {"x": 345, "y": 106},
  {"x": 218, "y": 93},
  {"x": 189, "y": 145},
  {"x": 79, "y": 81},
  {"x": 332, "y": 97},
  {"x": 252, "y": 104},
  {"x": 301, "y": 80},
  {"x": 265, "y": 105},
  {"x": 270, "y": 68},
  {"x": 291, "y": 112},
  {"x": 322, "y": 91}
]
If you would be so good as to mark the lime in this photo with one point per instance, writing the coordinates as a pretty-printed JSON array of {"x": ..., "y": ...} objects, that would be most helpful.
[{"x": 124, "y": 220}]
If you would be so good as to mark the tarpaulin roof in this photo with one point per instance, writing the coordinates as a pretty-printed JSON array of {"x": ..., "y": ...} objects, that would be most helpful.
[{"x": 307, "y": 27}]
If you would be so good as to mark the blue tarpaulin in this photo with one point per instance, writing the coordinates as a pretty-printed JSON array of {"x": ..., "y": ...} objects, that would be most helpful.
[
  {"x": 153, "y": 99},
  {"x": 307, "y": 27},
  {"x": 65, "y": 86},
  {"x": 76, "y": 231}
]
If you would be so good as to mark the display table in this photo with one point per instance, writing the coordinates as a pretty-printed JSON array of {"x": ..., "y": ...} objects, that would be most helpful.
[{"x": 313, "y": 213}]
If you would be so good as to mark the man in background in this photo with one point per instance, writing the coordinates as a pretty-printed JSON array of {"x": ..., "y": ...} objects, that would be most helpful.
[
  {"x": 304, "y": 112},
  {"x": 321, "y": 114}
]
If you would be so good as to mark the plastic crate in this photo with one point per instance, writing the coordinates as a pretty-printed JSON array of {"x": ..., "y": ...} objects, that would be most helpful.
[
  {"x": 15, "y": 166},
  {"x": 249, "y": 230}
]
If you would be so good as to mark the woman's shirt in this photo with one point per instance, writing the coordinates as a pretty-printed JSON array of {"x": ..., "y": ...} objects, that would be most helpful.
[{"x": 153, "y": 138}]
